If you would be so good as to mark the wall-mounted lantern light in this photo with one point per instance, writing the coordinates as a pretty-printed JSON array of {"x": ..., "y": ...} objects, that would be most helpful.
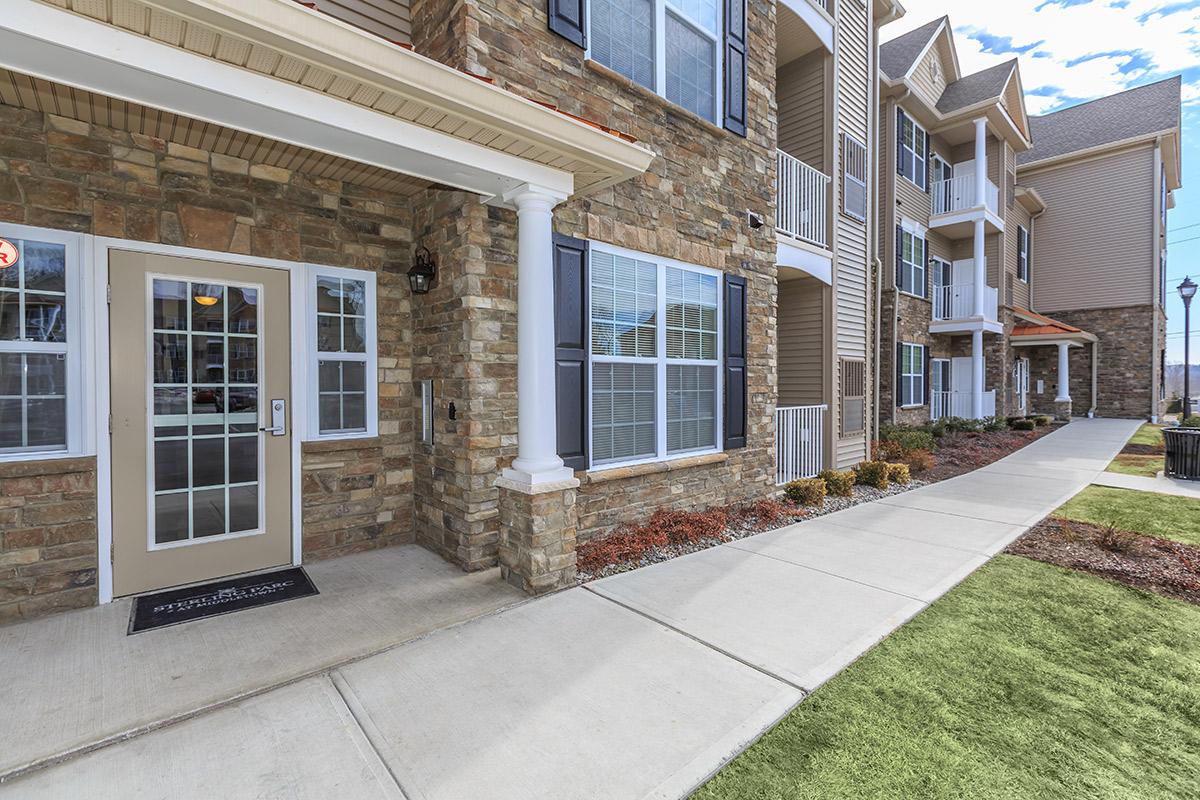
[{"x": 423, "y": 273}]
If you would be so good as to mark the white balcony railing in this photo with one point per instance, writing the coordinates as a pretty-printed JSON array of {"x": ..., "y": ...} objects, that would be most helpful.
[
  {"x": 958, "y": 194},
  {"x": 958, "y": 404},
  {"x": 958, "y": 302},
  {"x": 802, "y": 200},
  {"x": 799, "y": 442}
]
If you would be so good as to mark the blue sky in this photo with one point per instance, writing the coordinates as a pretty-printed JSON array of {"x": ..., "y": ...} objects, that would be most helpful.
[{"x": 1072, "y": 51}]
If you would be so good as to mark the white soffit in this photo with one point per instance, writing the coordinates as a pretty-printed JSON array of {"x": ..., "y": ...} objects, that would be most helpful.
[{"x": 819, "y": 266}]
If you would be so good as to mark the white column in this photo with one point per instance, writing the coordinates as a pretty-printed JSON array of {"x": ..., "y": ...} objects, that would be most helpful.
[
  {"x": 981, "y": 171},
  {"x": 537, "y": 460},
  {"x": 1064, "y": 373},
  {"x": 977, "y": 374}
]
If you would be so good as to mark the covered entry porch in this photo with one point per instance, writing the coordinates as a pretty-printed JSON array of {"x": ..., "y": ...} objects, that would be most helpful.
[{"x": 802, "y": 430}]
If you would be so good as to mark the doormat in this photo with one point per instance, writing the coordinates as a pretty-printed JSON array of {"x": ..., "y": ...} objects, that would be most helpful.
[{"x": 175, "y": 606}]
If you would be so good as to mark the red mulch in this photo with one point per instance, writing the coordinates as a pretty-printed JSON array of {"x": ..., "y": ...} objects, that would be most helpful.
[
  {"x": 960, "y": 453},
  {"x": 631, "y": 543},
  {"x": 1156, "y": 565}
]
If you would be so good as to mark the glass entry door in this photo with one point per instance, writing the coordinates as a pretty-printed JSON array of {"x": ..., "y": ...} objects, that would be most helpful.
[{"x": 201, "y": 420}]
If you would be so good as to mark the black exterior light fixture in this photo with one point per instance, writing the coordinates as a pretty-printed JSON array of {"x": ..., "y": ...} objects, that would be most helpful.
[
  {"x": 1187, "y": 290},
  {"x": 423, "y": 273}
]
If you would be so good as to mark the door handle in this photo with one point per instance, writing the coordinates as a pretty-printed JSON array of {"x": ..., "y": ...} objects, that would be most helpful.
[{"x": 278, "y": 419}]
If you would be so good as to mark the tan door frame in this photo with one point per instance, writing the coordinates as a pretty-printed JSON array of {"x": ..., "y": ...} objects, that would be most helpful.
[{"x": 97, "y": 276}]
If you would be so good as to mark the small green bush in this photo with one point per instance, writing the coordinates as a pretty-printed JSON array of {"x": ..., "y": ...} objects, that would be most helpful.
[
  {"x": 872, "y": 473},
  {"x": 1191, "y": 422},
  {"x": 995, "y": 424},
  {"x": 1012, "y": 420},
  {"x": 1042, "y": 420},
  {"x": 910, "y": 438},
  {"x": 839, "y": 484},
  {"x": 806, "y": 492},
  {"x": 1024, "y": 425},
  {"x": 937, "y": 428},
  {"x": 899, "y": 473},
  {"x": 964, "y": 425}
]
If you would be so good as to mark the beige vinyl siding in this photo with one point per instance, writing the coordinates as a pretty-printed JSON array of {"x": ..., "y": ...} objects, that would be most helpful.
[
  {"x": 801, "y": 342},
  {"x": 966, "y": 152},
  {"x": 801, "y": 93},
  {"x": 1094, "y": 246},
  {"x": 912, "y": 201},
  {"x": 923, "y": 81},
  {"x": 390, "y": 19},
  {"x": 1017, "y": 215}
]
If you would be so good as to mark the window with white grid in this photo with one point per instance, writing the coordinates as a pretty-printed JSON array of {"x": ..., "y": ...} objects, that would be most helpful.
[
  {"x": 344, "y": 389},
  {"x": 655, "y": 350},
  {"x": 854, "y": 178},
  {"x": 669, "y": 46}
]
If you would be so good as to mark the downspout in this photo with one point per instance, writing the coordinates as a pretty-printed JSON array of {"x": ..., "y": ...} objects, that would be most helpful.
[{"x": 1095, "y": 376}]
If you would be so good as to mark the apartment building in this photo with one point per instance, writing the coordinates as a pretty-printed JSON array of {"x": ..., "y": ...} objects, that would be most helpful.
[
  {"x": 1107, "y": 172},
  {"x": 982, "y": 204},
  {"x": 290, "y": 281}
]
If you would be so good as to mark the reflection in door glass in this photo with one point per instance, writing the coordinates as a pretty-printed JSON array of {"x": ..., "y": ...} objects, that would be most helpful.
[{"x": 205, "y": 378}]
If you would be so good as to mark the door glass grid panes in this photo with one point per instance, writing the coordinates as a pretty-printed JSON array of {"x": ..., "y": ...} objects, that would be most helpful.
[
  {"x": 691, "y": 68},
  {"x": 205, "y": 380},
  {"x": 622, "y": 34},
  {"x": 624, "y": 306},
  {"x": 691, "y": 407},
  {"x": 691, "y": 315},
  {"x": 33, "y": 348},
  {"x": 624, "y": 397}
]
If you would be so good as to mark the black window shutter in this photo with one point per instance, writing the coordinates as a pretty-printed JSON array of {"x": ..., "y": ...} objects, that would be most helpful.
[
  {"x": 570, "y": 348},
  {"x": 899, "y": 258},
  {"x": 898, "y": 399},
  {"x": 735, "y": 362},
  {"x": 735, "y": 66},
  {"x": 568, "y": 18},
  {"x": 900, "y": 141},
  {"x": 925, "y": 361}
]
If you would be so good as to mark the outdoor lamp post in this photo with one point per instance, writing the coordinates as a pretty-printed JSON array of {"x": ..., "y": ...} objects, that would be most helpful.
[{"x": 1187, "y": 290}]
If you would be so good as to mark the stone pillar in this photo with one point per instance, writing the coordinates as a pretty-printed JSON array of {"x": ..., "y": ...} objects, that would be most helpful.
[
  {"x": 537, "y": 535},
  {"x": 537, "y": 460},
  {"x": 977, "y": 373}
]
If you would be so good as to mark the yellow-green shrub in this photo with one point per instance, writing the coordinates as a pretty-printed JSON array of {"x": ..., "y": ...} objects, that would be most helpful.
[
  {"x": 839, "y": 484},
  {"x": 873, "y": 473},
  {"x": 806, "y": 492},
  {"x": 898, "y": 473}
]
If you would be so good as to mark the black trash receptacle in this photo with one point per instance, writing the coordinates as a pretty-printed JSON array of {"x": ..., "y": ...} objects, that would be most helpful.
[{"x": 1183, "y": 452}]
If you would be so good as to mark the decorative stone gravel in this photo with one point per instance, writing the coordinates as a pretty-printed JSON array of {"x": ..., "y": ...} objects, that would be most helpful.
[{"x": 862, "y": 494}]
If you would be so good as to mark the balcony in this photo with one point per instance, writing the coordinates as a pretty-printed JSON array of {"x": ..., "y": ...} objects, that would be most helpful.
[
  {"x": 959, "y": 404},
  {"x": 802, "y": 201},
  {"x": 799, "y": 442},
  {"x": 954, "y": 310},
  {"x": 955, "y": 208}
]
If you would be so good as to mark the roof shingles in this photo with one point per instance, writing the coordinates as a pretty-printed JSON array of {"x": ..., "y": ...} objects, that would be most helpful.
[{"x": 897, "y": 57}]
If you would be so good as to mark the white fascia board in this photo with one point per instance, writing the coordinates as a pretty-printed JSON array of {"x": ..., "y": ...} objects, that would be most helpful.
[
  {"x": 817, "y": 20},
  {"x": 810, "y": 262},
  {"x": 66, "y": 48}
]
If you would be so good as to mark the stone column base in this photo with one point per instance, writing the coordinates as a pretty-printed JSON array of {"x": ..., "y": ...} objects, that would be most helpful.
[
  {"x": 537, "y": 535},
  {"x": 1062, "y": 410}
]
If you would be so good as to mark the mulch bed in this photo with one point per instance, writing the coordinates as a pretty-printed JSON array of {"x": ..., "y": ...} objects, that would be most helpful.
[
  {"x": 960, "y": 453},
  {"x": 1143, "y": 450},
  {"x": 1156, "y": 565}
]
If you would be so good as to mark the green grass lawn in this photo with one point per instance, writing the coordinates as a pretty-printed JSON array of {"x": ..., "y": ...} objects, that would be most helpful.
[
  {"x": 1148, "y": 434},
  {"x": 1152, "y": 514},
  {"x": 1145, "y": 466},
  {"x": 1026, "y": 681}
]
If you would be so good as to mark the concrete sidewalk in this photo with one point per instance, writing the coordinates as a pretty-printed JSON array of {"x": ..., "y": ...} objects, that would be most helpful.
[
  {"x": 639, "y": 685},
  {"x": 1141, "y": 483}
]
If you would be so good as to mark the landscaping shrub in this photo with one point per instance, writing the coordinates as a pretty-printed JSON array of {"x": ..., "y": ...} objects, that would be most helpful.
[
  {"x": 765, "y": 514},
  {"x": 963, "y": 425},
  {"x": 806, "y": 492},
  {"x": 918, "y": 460},
  {"x": 872, "y": 473},
  {"x": 899, "y": 473},
  {"x": 937, "y": 428},
  {"x": 838, "y": 484},
  {"x": 995, "y": 424},
  {"x": 910, "y": 438},
  {"x": 1191, "y": 422},
  {"x": 1042, "y": 420},
  {"x": 1024, "y": 425},
  {"x": 886, "y": 450},
  {"x": 1012, "y": 420}
]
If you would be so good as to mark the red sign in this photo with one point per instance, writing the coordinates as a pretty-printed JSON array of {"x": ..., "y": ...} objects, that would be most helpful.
[{"x": 8, "y": 253}]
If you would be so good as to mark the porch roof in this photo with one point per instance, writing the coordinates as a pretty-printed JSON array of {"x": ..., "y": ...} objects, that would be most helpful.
[{"x": 1033, "y": 328}]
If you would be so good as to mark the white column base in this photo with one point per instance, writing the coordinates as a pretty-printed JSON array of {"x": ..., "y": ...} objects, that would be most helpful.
[{"x": 537, "y": 481}]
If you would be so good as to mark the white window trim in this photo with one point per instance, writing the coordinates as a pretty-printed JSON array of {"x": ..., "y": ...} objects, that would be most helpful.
[
  {"x": 660, "y": 361},
  {"x": 1023, "y": 253},
  {"x": 910, "y": 155},
  {"x": 80, "y": 420},
  {"x": 313, "y": 356},
  {"x": 900, "y": 389},
  {"x": 918, "y": 232},
  {"x": 660, "y": 52},
  {"x": 849, "y": 177}
]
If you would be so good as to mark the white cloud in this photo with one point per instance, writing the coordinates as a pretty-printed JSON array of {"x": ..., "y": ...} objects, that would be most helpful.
[{"x": 1104, "y": 32}]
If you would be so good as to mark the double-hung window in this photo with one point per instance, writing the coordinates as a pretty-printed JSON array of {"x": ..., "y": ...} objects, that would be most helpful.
[
  {"x": 40, "y": 361},
  {"x": 343, "y": 335},
  {"x": 912, "y": 375},
  {"x": 671, "y": 47},
  {"x": 914, "y": 149},
  {"x": 911, "y": 262},
  {"x": 655, "y": 357},
  {"x": 1022, "y": 254}
]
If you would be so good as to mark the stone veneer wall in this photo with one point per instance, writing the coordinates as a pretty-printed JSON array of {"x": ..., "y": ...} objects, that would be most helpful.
[
  {"x": 690, "y": 205},
  {"x": 65, "y": 174},
  {"x": 1127, "y": 359}
]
